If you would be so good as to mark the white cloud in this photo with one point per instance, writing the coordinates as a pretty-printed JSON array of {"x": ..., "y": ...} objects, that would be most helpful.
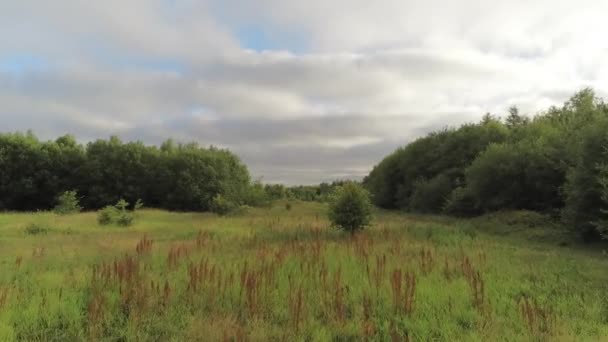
[{"x": 373, "y": 74}]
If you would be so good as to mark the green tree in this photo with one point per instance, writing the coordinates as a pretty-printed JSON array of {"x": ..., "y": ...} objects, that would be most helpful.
[
  {"x": 516, "y": 176},
  {"x": 585, "y": 188},
  {"x": 67, "y": 203},
  {"x": 350, "y": 208}
]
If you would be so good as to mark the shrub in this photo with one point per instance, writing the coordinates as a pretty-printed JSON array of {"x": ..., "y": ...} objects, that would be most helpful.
[
  {"x": 350, "y": 208},
  {"x": 36, "y": 229},
  {"x": 124, "y": 219},
  {"x": 106, "y": 215},
  {"x": 139, "y": 204},
  {"x": 222, "y": 206},
  {"x": 116, "y": 214},
  {"x": 288, "y": 206},
  {"x": 67, "y": 203},
  {"x": 257, "y": 196}
]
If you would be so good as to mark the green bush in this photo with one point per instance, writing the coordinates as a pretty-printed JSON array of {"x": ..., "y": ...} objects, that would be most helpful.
[
  {"x": 67, "y": 203},
  {"x": 36, "y": 229},
  {"x": 350, "y": 208},
  {"x": 124, "y": 219},
  {"x": 222, "y": 206},
  {"x": 139, "y": 204},
  {"x": 117, "y": 213},
  {"x": 106, "y": 215},
  {"x": 257, "y": 196}
]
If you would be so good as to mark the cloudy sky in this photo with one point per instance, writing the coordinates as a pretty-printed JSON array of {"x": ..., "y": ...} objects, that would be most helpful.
[{"x": 302, "y": 91}]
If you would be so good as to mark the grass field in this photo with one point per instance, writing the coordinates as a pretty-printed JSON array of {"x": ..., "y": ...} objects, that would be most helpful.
[{"x": 284, "y": 275}]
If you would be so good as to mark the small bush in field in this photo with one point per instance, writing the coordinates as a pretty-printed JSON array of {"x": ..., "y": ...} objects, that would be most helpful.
[
  {"x": 139, "y": 204},
  {"x": 124, "y": 219},
  {"x": 116, "y": 214},
  {"x": 106, "y": 215},
  {"x": 288, "y": 206},
  {"x": 36, "y": 229},
  {"x": 67, "y": 203},
  {"x": 350, "y": 208},
  {"x": 222, "y": 206}
]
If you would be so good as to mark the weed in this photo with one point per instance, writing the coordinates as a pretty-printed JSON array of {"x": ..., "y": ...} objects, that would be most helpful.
[{"x": 36, "y": 229}]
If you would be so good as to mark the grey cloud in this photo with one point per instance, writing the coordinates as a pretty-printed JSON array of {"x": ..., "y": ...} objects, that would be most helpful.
[{"x": 378, "y": 74}]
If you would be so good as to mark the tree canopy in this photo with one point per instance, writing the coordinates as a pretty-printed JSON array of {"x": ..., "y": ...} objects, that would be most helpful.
[
  {"x": 175, "y": 176},
  {"x": 554, "y": 162}
]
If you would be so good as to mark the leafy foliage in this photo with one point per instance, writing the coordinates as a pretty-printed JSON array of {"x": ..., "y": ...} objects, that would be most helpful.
[
  {"x": 222, "y": 206},
  {"x": 350, "y": 208},
  {"x": 107, "y": 215},
  {"x": 553, "y": 163},
  {"x": 174, "y": 176},
  {"x": 36, "y": 229},
  {"x": 395, "y": 180},
  {"x": 118, "y": 214},
  {"x": 67, "y": 203}
]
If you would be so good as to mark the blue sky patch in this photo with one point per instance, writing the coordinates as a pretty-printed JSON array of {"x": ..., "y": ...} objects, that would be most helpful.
[
  {"x": 259, "y": 38},
  {"x": 21, "y": 63}
]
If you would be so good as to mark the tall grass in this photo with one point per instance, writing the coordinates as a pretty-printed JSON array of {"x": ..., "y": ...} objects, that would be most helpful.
[{"x": 277, "y": 274}]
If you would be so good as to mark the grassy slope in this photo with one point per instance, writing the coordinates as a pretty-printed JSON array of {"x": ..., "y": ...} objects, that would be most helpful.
[{"x": 285, "y": 275}]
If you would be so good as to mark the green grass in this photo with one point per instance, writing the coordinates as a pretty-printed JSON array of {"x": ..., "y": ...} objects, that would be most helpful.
[{"x": 274, "y": 274}]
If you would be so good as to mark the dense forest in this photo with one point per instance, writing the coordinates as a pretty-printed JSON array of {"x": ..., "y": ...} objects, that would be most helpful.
[
  {"x": 175, "y": 176},
  {"x": 555, "y": 162},
  {"x": 33, "y": 173}
]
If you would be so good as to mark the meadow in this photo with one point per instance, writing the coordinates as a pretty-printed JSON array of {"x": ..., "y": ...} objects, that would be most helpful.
[{"x": 282, "y": 274}]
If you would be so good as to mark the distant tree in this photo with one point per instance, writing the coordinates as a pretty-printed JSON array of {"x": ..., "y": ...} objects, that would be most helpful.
[
  {"x": 174, "y": 176},
  {"x": 275, "y": 191},
  {"x": 443, "y": 156},
  {"x": 350, "y": 208},
  {"x": 514, "y": 119}
]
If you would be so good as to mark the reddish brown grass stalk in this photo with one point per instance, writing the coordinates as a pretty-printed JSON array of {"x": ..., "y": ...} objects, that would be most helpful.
[
  {"x": 403, "y": 287},
  {"x": 369, "y": 328},
  {"x": 339, "y": 290},
  {"x": 144, "y": 246},
  {"x": 426, "y": 261},
  {"x": 538, "y": 320},
  {"x": 176, "y": 253},
  {"x": 446, "y": 270},
  {"x": 296, "y": 303},
  {"x": 202, "y": 239},
  {"x": 3, "y": 296},
  {"x": 38, "y": 252},
  {"x": 478, "y": 289},
  {"x": 380, "y": 272}
]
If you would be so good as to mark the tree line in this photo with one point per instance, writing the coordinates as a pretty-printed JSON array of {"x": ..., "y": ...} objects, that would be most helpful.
[
  {"x": 173, "y": 176},
  {"x": 555, "y": 162}
]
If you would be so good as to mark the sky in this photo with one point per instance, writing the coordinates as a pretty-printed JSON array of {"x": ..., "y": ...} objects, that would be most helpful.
[{"x": 303, "y": 91}]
